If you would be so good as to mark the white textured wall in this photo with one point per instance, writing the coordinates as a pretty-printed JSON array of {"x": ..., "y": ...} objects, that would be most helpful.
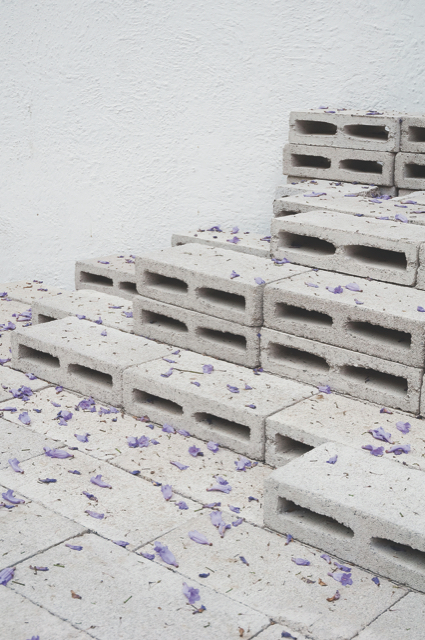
[{"x": 121, "y": 120}]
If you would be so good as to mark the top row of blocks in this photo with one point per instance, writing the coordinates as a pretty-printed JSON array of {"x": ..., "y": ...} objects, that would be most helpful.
[{"x": 358, "y": 130}]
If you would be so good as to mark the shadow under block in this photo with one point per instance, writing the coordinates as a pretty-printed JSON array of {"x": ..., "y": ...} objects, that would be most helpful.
[{"x": 110, "y": 274}]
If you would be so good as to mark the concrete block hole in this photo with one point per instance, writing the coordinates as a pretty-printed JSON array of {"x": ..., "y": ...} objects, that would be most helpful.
[
  {"x": 222, "y": 298},
  {"x": 90, "y": 375},
  {"x": 297, "y": 357},
  {"x": 38, "y": 357},
  {"x": 313, "y": 520},
  {"x": 309, "y": 244},
  {"x": 226, "y": 427},
  {"x": 367, "y": 131},
  {"x": 310, "y": 161},
  {"x": 360, "y": 166},
  {"x": 94, "y": 278},
  {"x": 416, "y": 134},
  {"x": 315, "y": 128},
  {"x": 290, "y": 447},
  {"x": 384, "y": 382},
  {"x": 382, "y": 335},
  {"x": 165, "y": 322},
  {"x": 164, "y": 283},
  {"x": 409, "y": 557},
  {"x": 163, "y": 404},
  {"x": 299, "y": 314},
  {"x": 225, "y": 338}
]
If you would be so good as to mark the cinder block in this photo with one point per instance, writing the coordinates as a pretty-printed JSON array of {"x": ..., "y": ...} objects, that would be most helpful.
[
  {"x": 198, "y": 332},
  {"x": 244, "y": 242},
  {"x": 355, "y": 374},
  {"x": 348, "y": 165},
  {"x": 210, "y": 411},
  {"x": 212, "y": 281},
  {"x": 112, "y": 274},
  {"x": 29, "y": 291},
  {"x": 295, "y": 186},
  {"x": 335, "y": 418},
  {"x": 414, "y": 197},
  {"x": 362, "y": 509},
  {"x": 94, "y": 305},
  {"x": 413, "y": 134},
  {"x": 420, "y": 279},
  {"x": 403, "y": 193},
  {"x": 345, "y": 129},
  {"x": 380, "y": 249},
  {"x": 384, "y": 322},
  {"x": 410, "y": 170},
  {"x": 74, "y": 354}
]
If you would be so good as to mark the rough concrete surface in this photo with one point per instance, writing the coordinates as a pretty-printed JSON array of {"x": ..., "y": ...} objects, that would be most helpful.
[
  {"x": 17, "y": 441},
  {"x": 242, "y": 241},
  {"x": 404, "y": 620},
  {"x": 28, "y": 291},
  {"x": 410, "y": 170},
  {"x": 111, "y": 274},
  {"x": 413, "y": 134}
]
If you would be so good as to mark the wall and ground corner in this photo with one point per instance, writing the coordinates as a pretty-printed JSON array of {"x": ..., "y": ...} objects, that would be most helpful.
[{"x": 122, "y": 121}]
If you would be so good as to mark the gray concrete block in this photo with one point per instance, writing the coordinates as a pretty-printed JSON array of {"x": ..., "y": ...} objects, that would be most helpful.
[
  {"x": 386, "y": 323},
  {"x": 29, "y": 291},
  {"x": 110, "y": 274},
  {"x": 94, "y": 305},
  {"x": 334, "y": 418},
  {"x": 348, "y": 165},
  {"x": 198, "y": 332},
  {"x": 242, "y": 241},
  {"x": 363, "y": 509},
  {"x": 355, "y": 374},
  {"x": 405, "y": 619},
  {"x": 295, "y": 186},
  {"x": 345, "y": 129},
  {"x": 74, "y": 354},
  {"x": 417, "y": 197},
  {"x": 211, "y": 410},
  {"x": 380, "y": 249},
  {"x": 410, "y": 170},
  {"x": 413, "y": 134},
  {"x": 420, "y": 278},
  {"x": 213, "y": 281}
]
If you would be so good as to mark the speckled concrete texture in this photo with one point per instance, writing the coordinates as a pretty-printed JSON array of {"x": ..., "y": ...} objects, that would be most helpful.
[
  {"x": 410, "y": 170},
  {"x": 413, "y": 134},
  {"x": 243, "y": 241},
  {"x": 404, "y": 620},
  {"x": 111, "y": 274}
]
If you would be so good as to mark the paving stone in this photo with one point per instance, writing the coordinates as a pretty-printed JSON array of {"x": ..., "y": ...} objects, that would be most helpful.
[
  {"x": 413, "y": 134},
  {"x": 11, "y": 379},
  {"x": 123, "y": 592},
  {"x": 386, "y": 323},
  {"x": 198, "y": 332},
  {"x": 25, "y": 619},
  {"x": 382, "y": 250},
  {"x": 410, "y": 171},
  {"x": 200, "y": 278},
  {"x": 136, "y": 519},
  {"x": 242, "y": 241},
  {"x": 29, "y": 291},
  {"x": 30, "y": 528},
  {"x": 418, "y": 197},
  {"x": 9, "y": 311},
  {"x": 339, "y": 164},
  {"x": 349, "y": 372},
  {"x": 347, "y": 129},
  {"x": 274, "y": 632},
  {"x": 364, "y": 509},
  {"x": 333, "y": 418},
  {"x": 219, "y": 408},
  {"x": 272, "y": 583},
  {"x": 111, "y": 274},
  {"x": 17, "y": 441},
  {"x": 405, "y": 619},
  {"x": 91, "y": 304},
  {"x": 74, "y": 353}
]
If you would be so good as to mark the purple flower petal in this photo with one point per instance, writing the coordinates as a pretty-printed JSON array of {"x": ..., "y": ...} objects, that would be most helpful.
[
  {"x": 184, "y": 433},
  {"x": 47, "y": 480},
  {"x": 353, "y": 286},
  {"x": 97, "y": 480},
  {"x": 103, "y": 262},
  {"x": 213, "y": 446},
  {"x": 165, "y": 554},
  {"x": 236, "y": 229},
  {"x": 247, "y": 387},
  {"x": 326, "y": 557},
  {"x": 404, "y": 427},
  {"x": 342, "y": 567},
  {"x": 259, "y": 280},
  {"x": 380, "y": 434},
  {"x": 376, "y": 580},
  {"x": 24, "y": 418},
  {"x": 6, "y": 575},
  {"x": 120, "y": 543},
  {"x": 196, "y": 383},
  {"x": 207, "y": 368},
  {"x": 337, "y": 289},
  {"x": 234, "y": 240},
  {"x": 143, "y": 441},
  {"x": 289, "y": 538},
  {"x": 314, "y": 194},
  {"x": 234, "y": 509},
  {"x": 128, "y": 314},
  {"x": 301, "y": 561},
  {"x": 221, "y": 480},
  {"x": 332, "y": 460},
  {"x": 83, "y": 437},
  {"x": 191, "y": 593},
  {"x": 398, "y": 449},
  {"x": 283, "y": 261},
  {"x": 237, "y": 522},
  {"x": 342, "y": 577},
  {"x": 14, "y": 463},
  {"x": 8, "y": 495},
  {"x": 232, "y": 389},
  {"x": 93, "y": 514},
  {"x": 31, "y": 376},
  {"x": 66, "y": 415},
  {"x": 234, "y": 275},
  {"x": 203, "y": 575},
  {"x": 182, "y": 505},
  {"x": 104, "y": 333},
  {"x": 195, "y": 451},
  {"x": 312, "y": 284},
  {"x": 325, "y": 389},
  {"x": 148, "y": 556},
  {"x": 220, "y": 487},
  {"x": 57, "y": 453},
  {"x": 401, "y": 217},
  {"x": 168, "y": 428},
  {"x": 242, "y": 464},
  {"x": 167, "y": 491},
  {"x": 99, "y": 320},
  {"x": 80, "y": 317},
  {"x": 179, "y": 465},
  {"x": 77, "y": 473},
  {"x": 242, "y": 559},
  {"x": 74, "y": 547},
  {"x": 358, "y": 301},
  {"x": 385, "y": 410},
  {"x": 132, "y": 442},
  {"x": 167, "y": 374},
  {"x": 378, "y": 451},
  {"x": 198, "y": 537},
  {"x": 421, "y": 309},
  {"x": 90, "y": 496},
  {"x": 216, "y": 228}
]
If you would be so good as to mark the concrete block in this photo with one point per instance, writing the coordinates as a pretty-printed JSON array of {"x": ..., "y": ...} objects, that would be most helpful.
[
  {"x": 139, "y": 519},
  {"x": 296, "y": 185},
  {"x": 290, "y": 594},
  {"x": 25, "y": 619},
  {"x": 213, "y": 281},
  {"x": 420, "y": 279},
  {"x": 29, "y": 291},
  {"x": 355, "y": 374},
  {"x": 20, "y": 442},
  {"x": 74, "y": 354},
  {"x": 123, "y": 592},
  {"x": 211, "y": 410},
  {"x": 410, "y": 171},
  {"x": 386, "y": 324},
  {"x": 91, "y": 304},
  {"x": 198, "y": 332},
  {"x": 345, "y": 129},
  {"x": 110, "y": 274},
  {"x": 379, "y": 249},
  {"x": 363, "y": 509},
  {"x": 413, "y": 134},
  {"x": 11, "y": 379},
  {"x": 403, "y": 193},
  {"x": 348, "y": 165},
  {"x": 406, "y": 620},
  {"x": 246, "y": 242},
  {"x": 334, "y": 418},
  {"x": 418, "y": 197}
]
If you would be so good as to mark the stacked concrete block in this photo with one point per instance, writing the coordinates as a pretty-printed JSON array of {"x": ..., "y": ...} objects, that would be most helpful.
[
  {"x": 362, "y": 509},
  {"x": 242, "y": 241},
  {"x": 82, "y": 356},
  {"x": 413, "y": 134},
  {"x": 295, "y": 186},
  {"x": 111, "y": 274},
  {"x": 379, "y": 249},
  {"x": 410, "y": 170},
  {"x": 211, "y": 399}
]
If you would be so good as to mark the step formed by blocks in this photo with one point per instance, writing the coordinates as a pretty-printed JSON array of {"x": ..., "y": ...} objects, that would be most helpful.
[
  {"x": 74, "y": 354},
  {"x": 242, "y": 241},
  {"x": 228, "y": 405},
  {"x": 295, "y": 186},
  {"x": 375, "y": 318},
  {"x": 111, "y": 274},
  {"x": 365, "y": 510},
  {"x": 29, "y": 291},
  {"x": 334, "y": 418},
  {"x": 94, "y": 306},
  {"x": 379, "y": 249},
  {"x": 198, "y": 332},
  {"x": 410, "y": 170},
  {"x": 345, "y": 129},
  {"x": 355, "y": 374},
  {"x": 220, "y": 283},
  {"x": 331, "y": 163},
  {"x": 413, "y": 134},
  {"x": 420, "y": 279}
]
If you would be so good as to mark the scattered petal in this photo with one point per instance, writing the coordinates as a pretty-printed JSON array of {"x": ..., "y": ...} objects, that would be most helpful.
[
  {"x": 324, "y": 389},
  {"x": 378, "y": 451},
  {"x": 376, "y": 580},
  {"x": 168, "y": 428},
  {"x": 148, "y": 556},
  {"x": 57, "y": 453},
  {"x": 8, "y": 495},
  {"x": 332, "y": 460},
  {"x": 353, "y": 286},
  {"x": 301, "y": 561},
  {"x": 6, "y": 575},
  {"x": 82, "y": 437},
  {"x": 167, "y": 374},
  {"x": 398, "y": 449},
  {"x": 165, "y": 554},
  {"x": 120, "y": 543},
  {"x": 198, "y": 537},
  {"x": 213, "y": 446},
  {"x": 24, "y": 418},
  {"x": 232, "y": 389},
  {"x": 182, "y": 505},
  {"x": 380, "y": 434},
  {"x": 167, "y": 491},
  {"x": 326, "y": 557},
  {"x": 191, "y": 593},
  {"x": 195, "y": 451},
  {"x": 207, "y": 368},
  {"x": 404, "y": 427},
  {"x": 179, "y": 465},
  {"x": 337, "y": 289},
  {"x": 234, "y": 275},
  {"x": 74, "y": 547},
  {"x": 14, "y": 463},
  {"x": 97, "y": 480},
  {"x": 259, "y": 280},
  {"x": 93, "y": 514}
]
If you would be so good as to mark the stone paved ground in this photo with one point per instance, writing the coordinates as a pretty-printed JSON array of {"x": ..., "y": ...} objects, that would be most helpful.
[{"x": 248, "y": 584}]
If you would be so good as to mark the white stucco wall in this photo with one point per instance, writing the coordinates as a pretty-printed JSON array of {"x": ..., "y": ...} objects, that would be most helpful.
[{"x": 121, "y": 120}]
